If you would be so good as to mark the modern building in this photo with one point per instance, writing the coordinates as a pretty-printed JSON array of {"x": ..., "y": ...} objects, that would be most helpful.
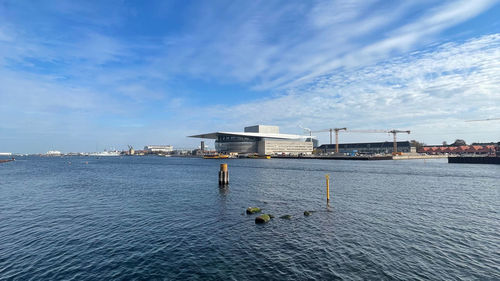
[
  {"x": 367, "y": 148},
  {"x": 260, "y": 139},
  {"x": 158, "y": 148}
]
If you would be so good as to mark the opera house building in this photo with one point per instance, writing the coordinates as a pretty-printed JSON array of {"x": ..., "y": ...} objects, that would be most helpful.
[{"x": 260, "y": 139}]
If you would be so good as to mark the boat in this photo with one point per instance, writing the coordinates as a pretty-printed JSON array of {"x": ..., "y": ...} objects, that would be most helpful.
[
  {"x": 259, "y": 156},
  {"x": 215, "y": 156}
]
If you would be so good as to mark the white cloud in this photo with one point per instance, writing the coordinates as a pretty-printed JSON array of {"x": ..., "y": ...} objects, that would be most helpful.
[
  {"x": 320, "y": 64},
  {"x": 426, "y": 92}
]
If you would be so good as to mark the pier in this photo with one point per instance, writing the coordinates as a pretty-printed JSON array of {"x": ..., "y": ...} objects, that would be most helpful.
[
  {"x": 7, "y": 160},
  {"x": 365, "y": 158},
  {"x": 475, "y": 160}
]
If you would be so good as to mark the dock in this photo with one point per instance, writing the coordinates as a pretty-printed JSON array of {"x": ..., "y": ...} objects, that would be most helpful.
[
  {"x": 475, "y": 159},
  {"x": 362, "y": 158}
]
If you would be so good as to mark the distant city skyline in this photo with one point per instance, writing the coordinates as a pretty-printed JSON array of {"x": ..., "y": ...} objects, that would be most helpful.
[{"x": 86, "y": 75}]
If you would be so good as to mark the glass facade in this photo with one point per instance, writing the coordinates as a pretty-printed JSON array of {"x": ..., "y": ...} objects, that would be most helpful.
[
  {"x": 240, "y": 144},
  {"x": 229, "y": 138},
  {"x": 260, "y": 145}
]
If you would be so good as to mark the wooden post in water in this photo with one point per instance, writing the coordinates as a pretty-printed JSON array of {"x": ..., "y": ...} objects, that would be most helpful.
[
  {"x": 327, "y": 189},
  {"x": 223, "y": 175}
]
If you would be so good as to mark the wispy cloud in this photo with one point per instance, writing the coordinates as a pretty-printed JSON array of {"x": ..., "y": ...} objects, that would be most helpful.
[
  {"x": 87, "y": 69},
  {"x": 429, "y": 92}
]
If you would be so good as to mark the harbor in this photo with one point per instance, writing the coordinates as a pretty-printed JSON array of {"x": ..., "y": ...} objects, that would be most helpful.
[
  {"x": 269, "y": 143},
  {"x": 249, "y": 140},
  {"x": 148, "y": 215}
]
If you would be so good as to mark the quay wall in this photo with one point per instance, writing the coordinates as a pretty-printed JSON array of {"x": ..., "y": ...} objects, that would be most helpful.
[{"x": 474, "y": 160}]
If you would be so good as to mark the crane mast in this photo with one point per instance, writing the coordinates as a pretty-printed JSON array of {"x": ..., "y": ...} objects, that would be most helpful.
[
  {"x": 331, "y": 130},
  {"x": 394, "y": 132}
]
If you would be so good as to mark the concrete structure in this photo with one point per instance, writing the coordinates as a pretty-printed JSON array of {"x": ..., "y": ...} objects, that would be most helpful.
[
  {"x": 264, "y": 129},
  {"x": 260, "y": 139},
  {"x": 158, "y": 148},
  {"x": 368, "y": 148}
]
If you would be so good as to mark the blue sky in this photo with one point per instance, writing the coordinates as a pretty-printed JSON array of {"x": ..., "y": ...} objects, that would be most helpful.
[{"x": 87, "y": 75}]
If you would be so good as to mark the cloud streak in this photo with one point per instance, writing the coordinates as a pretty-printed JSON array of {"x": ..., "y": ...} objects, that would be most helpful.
[
  {"x": 86, "y": 70},
  {"x": 430, "y": 90}
]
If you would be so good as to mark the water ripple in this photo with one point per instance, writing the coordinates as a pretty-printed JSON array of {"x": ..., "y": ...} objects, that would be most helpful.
[{"x": 150, "y": 218}]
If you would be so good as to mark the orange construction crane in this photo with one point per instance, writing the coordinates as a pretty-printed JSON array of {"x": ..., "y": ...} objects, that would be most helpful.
[
  {"x": 331, "y": 130},
  {"x": 394, "y": 132}
]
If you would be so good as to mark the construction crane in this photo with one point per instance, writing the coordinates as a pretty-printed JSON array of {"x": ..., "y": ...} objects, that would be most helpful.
[
  {"x": 394, "y": 132},
  {"x": 331, "y": 130},
  {"x": 306, "y": 130},
  {"x": 489, "y": 119}
]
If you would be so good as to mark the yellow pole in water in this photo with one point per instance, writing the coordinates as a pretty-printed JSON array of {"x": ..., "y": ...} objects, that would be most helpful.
[{"x": 327, "y": 188}]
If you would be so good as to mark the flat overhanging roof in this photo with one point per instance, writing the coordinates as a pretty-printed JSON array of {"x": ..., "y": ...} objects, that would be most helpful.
[{"x": 244, "y": 134}]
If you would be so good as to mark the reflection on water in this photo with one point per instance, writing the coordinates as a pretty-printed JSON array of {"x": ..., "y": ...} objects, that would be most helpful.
[{"x": 166, "y": 218}]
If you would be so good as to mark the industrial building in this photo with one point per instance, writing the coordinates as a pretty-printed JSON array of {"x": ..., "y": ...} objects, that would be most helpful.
[
  {"x": 367, "y": 148},
  {"x": 260, "y": 139}
]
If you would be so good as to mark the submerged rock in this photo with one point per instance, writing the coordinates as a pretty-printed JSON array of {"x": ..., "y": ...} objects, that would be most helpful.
[
  {"x": 307, "y": 213},
  {"x": 253, "y": 210},
  {"x": 286, "y": 217},
  {"x": 271, "y": 216},
  {"x": 262, "y": 218}
]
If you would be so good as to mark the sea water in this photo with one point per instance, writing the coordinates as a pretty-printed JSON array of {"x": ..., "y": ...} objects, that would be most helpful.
[{"x": 157, "y": 218}]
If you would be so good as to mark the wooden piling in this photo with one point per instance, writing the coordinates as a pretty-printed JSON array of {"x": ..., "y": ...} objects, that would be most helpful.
[{"x": 223, "y": 175}]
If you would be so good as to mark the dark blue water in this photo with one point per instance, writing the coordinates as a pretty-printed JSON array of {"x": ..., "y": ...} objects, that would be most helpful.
[{"x": 144, "y": 218}]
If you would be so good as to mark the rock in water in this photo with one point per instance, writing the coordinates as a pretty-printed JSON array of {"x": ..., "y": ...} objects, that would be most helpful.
[
  {"x": 262, "y": 218},
  {"x": 307, "y": 213},
  {"x": 286, "y": 217},
  {"x": 253, "y": 210}
]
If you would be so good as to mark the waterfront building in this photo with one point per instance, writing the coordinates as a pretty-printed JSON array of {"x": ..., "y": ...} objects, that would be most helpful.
[
  {"x": 489, "y": 149},
  {"x": 260, "y": 139},
  {"x": 367, "y": 148},
  {"x": 158, "y": 148}
]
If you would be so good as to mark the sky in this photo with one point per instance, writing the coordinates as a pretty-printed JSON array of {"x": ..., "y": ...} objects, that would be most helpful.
[{"x": 94, "y": 75}]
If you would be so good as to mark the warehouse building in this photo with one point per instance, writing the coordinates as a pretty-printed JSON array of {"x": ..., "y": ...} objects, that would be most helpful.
[
  {"x": 367, "y": 148},
  {"x": 260, "y": 139}
]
